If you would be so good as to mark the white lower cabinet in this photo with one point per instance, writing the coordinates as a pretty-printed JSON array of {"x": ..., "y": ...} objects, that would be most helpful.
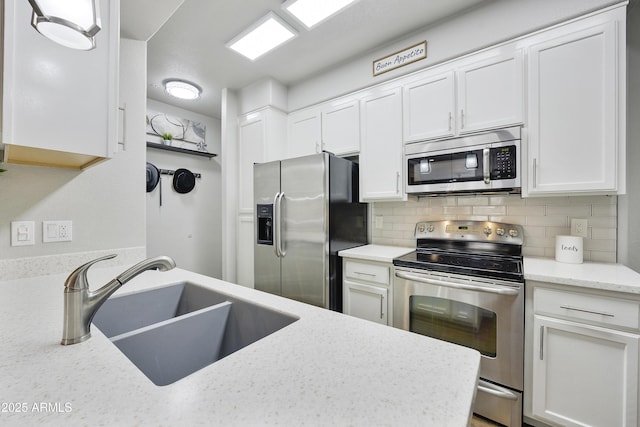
[
  {"x": 366, "y": 301},
  {"x": 584, "y": 374},
  {"x": 366, "y": 290}
]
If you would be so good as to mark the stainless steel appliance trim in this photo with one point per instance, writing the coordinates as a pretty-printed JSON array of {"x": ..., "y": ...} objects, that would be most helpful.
[
  {"x": 276, "y": 220},
  {"x": 585, "y": 310},
  {"x": 486, "y": 169},
  {"x": 541, "y": 342},
  {"x": 490, "y": 139},
  {"x": 422, "y": 278},
  {"x": 495, "y": 390},
  {"x": 278, "y": 224},
  {"x": 507, "y": 367}
]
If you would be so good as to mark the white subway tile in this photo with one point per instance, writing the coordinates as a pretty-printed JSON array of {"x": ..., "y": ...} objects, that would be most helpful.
[
  {"x": 598, "y": 256},
  {"x": 458, "y": 210},
  {"x": 473, "y": 200},
  {"x": 603, "y": 233},
  {"x": 548, "y": 221},
  {"x": 575, "y": 211},
  {"x": 509, "y": 219},
  {"x": 489, "y": 210},
  {"x": 604, "y": 210}
]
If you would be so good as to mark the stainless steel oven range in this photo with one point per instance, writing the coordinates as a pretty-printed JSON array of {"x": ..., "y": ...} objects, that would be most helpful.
[{"x": 464, "y": 284}]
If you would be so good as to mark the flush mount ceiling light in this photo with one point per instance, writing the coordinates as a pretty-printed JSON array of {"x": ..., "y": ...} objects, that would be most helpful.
[
  {"x": 261, "y": 37},
  {"x": 182, "y": 89},
  {"x": 71, "y": 23},
  {"x": 313, "y": 12}
]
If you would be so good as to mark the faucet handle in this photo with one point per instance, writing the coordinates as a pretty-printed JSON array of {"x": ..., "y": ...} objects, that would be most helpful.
[{"x": 78, "y": 279}]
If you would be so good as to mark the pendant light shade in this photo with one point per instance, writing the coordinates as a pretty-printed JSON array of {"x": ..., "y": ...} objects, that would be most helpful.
[{"x": 71, "y": 23}]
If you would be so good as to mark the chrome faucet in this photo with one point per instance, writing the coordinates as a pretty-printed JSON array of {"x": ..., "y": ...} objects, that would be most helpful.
[{"x": 80, "y": 304}]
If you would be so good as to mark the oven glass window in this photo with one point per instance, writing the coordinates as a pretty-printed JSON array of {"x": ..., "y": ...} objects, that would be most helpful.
[{"x": 455, "y": 322}]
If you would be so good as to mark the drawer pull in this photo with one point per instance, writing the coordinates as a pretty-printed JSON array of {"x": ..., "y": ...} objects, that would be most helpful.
[
  {"x": 584, "y": 310},
  {"x": 365, "y": 274}
]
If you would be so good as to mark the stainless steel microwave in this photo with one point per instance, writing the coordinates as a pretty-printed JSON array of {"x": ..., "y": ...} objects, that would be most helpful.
[{"x": 483, "y": 162}]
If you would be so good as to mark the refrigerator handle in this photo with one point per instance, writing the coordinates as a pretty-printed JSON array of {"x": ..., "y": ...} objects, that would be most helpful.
[
  {"x": 278, "y": 225},
  {"x": 276, "y": 221}
]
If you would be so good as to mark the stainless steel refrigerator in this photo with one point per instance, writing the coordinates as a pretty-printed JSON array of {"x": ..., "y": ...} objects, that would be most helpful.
[{"x": 307, "y": 210}]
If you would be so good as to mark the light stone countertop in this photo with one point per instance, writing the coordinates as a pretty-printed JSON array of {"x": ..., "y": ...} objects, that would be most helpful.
[
  {"x": 324, "y": 369},
  {"x": 378, "y": 253},
  {"x": 594, "y": 275}
]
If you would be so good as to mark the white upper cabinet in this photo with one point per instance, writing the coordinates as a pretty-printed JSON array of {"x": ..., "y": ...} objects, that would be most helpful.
[
  {"x": 429, "y": 107},
  {"x": 304, "y": 132},
  {"x": 576, "y": 107},
  {"x": 60, "y": 105},
  {"x": 381, "y": 154},
  {"x": 491, "y": 93},
  {"x": 333, "y": 127},
  {"x": 466, "y": 96},
  {"x": 341, "y": 128}
]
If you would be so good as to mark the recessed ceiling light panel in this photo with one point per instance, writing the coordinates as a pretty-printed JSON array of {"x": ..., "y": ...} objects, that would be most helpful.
[
  {"x": 261, "y": 37},
  {"x": 182, "y": 89},
  {"x": 313, "y": 12}
]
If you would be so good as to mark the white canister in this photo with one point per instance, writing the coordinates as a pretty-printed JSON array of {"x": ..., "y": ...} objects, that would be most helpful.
[{"x": 569, "y": 249}]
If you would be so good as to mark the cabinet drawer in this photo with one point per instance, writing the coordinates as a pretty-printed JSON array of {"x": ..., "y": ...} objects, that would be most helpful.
[
  {"x": 592, "y": 308},
  {"x": 368, "y": 272}
]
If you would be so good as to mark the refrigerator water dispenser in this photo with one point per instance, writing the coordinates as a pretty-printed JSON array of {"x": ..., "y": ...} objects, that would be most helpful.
[{"x": 265, "y": 224}]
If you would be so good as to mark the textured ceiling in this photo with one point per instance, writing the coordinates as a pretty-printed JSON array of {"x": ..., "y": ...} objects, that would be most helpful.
[{"x": 191, "y": 44}]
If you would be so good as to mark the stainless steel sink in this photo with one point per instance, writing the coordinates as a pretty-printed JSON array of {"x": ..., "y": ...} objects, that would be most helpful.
[{"x": 173, "y": 331}]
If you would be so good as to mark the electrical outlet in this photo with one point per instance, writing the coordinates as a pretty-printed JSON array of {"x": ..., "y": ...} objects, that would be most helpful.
[
  {"x": 579, "y": 227},
  {"x": 57, "y": 231},
  {"x": 23, "y": 233}
]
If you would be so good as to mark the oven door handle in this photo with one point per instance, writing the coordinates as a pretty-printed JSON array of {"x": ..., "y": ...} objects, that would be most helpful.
[
  {"x": 469, "y": 287},
  {"x": 494, "y": 390}
]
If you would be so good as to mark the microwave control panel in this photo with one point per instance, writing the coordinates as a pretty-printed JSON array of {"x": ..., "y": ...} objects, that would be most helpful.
[{"x": 503, "y": 162}]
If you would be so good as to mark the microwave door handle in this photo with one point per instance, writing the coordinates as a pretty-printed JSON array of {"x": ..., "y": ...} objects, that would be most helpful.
[
  {"x": 465, "y": 286},
  {"x": 486, "y": 166}
]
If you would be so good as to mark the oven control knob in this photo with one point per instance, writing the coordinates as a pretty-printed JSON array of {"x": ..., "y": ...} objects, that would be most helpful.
[
  {"x": 500, "y": 231},
  {"x": 513, "y": 232},
  {"x": 430, "y": 228},
  {"x": 421, "y": 228},
  {"x": 487, "y": 231}
]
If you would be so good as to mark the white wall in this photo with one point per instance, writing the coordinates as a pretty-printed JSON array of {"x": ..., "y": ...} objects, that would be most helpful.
[
  {"x": 629, "y": 204},
  {"x": 187, "y": 227},
  {"x": 487, "y": 25},
  {"x": 105, "y": 202}
]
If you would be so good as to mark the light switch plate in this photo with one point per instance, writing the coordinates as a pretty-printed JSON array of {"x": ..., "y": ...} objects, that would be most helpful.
[{"x": 23, "y": 233}]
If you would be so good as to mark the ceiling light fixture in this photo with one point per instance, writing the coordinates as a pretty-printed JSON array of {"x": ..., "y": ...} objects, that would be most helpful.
[
  {"x": 71, "y": 23},
  {"x": 313, "y": 12},
  {"x": 182, "y": 89},
  {"x": 261, "y": 37}
]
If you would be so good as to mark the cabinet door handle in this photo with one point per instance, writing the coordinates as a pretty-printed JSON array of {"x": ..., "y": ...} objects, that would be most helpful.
[
  {"x": 381, "y": 301},
  {"x": 541, "y": 342},
  {"x": 585, "y": 310},
  {"x": 462, "y": 119},
  {"x": 318, "y": 148},
  {"x": 450, "y": 119},
  {"x": 535, "y": 172},
  {"x": 397, "y": 182}
]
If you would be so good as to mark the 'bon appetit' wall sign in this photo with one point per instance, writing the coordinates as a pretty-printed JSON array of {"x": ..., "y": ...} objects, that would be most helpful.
[{"x": 400, "y": 58}]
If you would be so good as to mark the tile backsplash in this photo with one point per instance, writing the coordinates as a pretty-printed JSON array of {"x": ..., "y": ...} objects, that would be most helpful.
[{"x": 542, "y": 218}]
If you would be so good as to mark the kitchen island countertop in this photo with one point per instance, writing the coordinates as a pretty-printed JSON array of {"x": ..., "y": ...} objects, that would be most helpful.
[{"x": 324, "y": 369}]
